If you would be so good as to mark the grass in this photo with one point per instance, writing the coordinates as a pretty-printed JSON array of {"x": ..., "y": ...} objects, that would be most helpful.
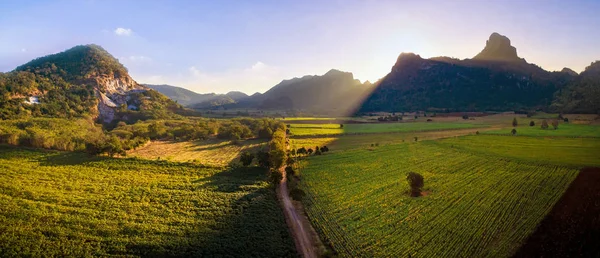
[
  {"x": 334, "y": 129},
  {"x": 70, "y": 204},
  {"x": 211, "y": 152},
  {"x": 477, "y": 204},
  {"x": 559, "y": 150},
  {"x": 564, "y": 129}
]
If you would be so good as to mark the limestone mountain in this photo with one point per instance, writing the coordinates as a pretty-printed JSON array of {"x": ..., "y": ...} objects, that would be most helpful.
[
  {"x": 498, "y": 48},
  {"x": 82, "y": 81},
  {"x": 495, "y": 79}
]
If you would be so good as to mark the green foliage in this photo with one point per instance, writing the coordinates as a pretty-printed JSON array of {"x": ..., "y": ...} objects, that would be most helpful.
[
  {"x": 416, "y": 183},
  {"x": 246, "y": 158},
  {"x": 513, "y": 131},
  {"x": 531, "y": 123},
  {"x": 555, "y": 124},
  {"x": 277, "y": 149},
  {"x": 514, "y": 122},
  {"x": 64, "y": 204}
]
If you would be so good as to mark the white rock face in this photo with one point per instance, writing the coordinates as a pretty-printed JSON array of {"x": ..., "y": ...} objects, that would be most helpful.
[
  {"x": 32, "y": 100},
  {"x": 113, "y": 92}
]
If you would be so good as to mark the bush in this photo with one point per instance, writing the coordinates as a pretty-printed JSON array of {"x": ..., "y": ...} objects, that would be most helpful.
[
  {"x": 555, "y": 124},
  {"x": 531, "y": 123},
  {"x": 246, "y": 158},
  {"x": 275, "y": 176},
  {"x": 297, "y": 194},
  {"x": 416, "y": 183},
  {"x": 310, "y": 151},
  {"x": 566, "y": 120},
  {"x": 514, "y": 122},
  {"x": 544, "y": 124},
  {"x": 289, "y": 171},
  {"x": 513, "y": 131},
  {"x": 263, "y": 159},
  {"x": 318, "y": 152}
]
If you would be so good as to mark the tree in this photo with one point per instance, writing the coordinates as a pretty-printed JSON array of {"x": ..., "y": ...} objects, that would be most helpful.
[
  {"x": 555, "y": 124},
  {"x": 544, "y": 124},
  {"x": 275, "y": 176},
  {"x": 416, "y": 183},
  {"x": 246, "y": 158},
  {"x": 293, "y": 152},
  {"x": 263, "y": 159},
  {"x": 318, "y": 152},
  {"x": 297, "y": 194},
  {"x": 531, "y": 123},
  {"x": 290, "y": 161},
  {"x": 514, "y": 122},
  {"x": 341, "y": 125},
  {"x": 566, "y": 120},
  {"x": 289, "y": 171},
  {"x": 513, "y": 131},
  {"x": 326, "y": 148},
  {"x": 310, "y": 151},
  {"x": 465, "y": 117},
  {"x": 301, "y": 151}
]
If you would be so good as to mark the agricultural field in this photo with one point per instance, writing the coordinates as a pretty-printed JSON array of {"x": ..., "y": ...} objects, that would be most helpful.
[
  {"x": 212, "y": 152},
  {"x": 475, "y": 204},
  {"x": 575, "y": 152},
  {"x": 564, "y": 129},
  {"x": 71, "y": 204},
  {"x": 336, "y": 129}
]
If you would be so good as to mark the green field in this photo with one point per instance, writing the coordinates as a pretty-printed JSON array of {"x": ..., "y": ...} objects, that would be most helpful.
[
  {"x": 70, "y": 204},
  {"x": 560, "y": 150},
  {"x": 477, "y": 205},
  {"x": 564, "y": 129},
  {"x": 335, "y": 129}
]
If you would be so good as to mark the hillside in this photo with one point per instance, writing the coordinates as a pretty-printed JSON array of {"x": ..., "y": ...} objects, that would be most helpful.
[
  {"x": 495, "y": 79},
  {"x": 79, "y": 82},
  {"x": 583, "y": 95}
]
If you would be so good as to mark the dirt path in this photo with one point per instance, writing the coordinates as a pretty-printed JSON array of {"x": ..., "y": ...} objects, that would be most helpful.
[{"x": 298, "y": 224}]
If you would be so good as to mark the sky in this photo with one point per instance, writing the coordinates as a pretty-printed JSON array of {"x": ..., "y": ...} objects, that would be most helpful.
[{"x": 249, "y": 46}]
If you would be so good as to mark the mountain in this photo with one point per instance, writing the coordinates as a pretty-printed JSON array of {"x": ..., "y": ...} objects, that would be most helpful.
[
  {"x": 181, "y": 95},
  {"x": 334, "y": 92},
  {"x": 582, "y": 95},
  {"x": 498, "y": 48},
  {"x": 82, "y": 81},
  {"x": 495, "y": 79},
  {"x": 189, "y": 98}
]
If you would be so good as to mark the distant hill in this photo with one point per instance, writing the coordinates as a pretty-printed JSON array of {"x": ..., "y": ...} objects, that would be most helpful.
[
  {"x": 495, "y": 79},
  {"x": 181, "y": 95},
  {"x": 189, "y": 98},
  {"x": 335, "y": 92},
  {"x": 81, "y": 81}
]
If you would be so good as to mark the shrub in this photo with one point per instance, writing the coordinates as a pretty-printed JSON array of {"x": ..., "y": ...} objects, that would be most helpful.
[
  {"x": 297, "y": 194},
  {"x": 416, "y": 183},
  {"x": 555, "y": 124},
  {"x": 275, "y": 176},
  {"x": 566, "y": 120},
  {"x": 246, "y": 158},
  {"x": 318, "y": 152},
  {"x": 289, "y": 170},
  {"x": 514, "y": 122},
  {"x": 263, "y": 159},
  {"x": 465, "y": 117},
  {"x": 544, "y": 124},
  {"x": 477, "y": 132},
  {"x": 531, "y": 123},
  {"x": 310, "y": 151},
  {"x": 513, "y": 131}
]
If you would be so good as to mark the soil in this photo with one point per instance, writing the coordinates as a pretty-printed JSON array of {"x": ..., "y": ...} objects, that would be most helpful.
[{"x": 572, "y": 228}]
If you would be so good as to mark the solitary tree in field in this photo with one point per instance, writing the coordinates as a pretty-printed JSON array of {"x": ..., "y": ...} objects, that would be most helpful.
[
  {"x": 513, "y": 131},
  {"x": 555, "y": 124},
  {"x": 544, "y": 124},
  {"x": 246, "y": 158},
  {"x": 310, "y": 151},
  {"x": 515, "y": 123},
  {"x": 531, "y": 123},
  {"x": 416, "y": 183},
  {"x": 566, "y": 120},
  {"x": 341, "y": 125}
]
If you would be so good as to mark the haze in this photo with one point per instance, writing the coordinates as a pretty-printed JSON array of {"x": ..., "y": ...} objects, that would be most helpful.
[{"x": 219, "y": 46}]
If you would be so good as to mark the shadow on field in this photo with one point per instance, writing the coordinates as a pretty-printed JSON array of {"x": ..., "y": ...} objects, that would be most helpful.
[
  {"x": 251, "y": 226},
  {"x": 233, "y": 180},
  {"x": 572, "y": 228}
]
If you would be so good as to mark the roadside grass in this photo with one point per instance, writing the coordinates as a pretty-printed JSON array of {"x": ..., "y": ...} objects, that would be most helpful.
[
  {"x": 564, "y": 129},
  {"x": 335, "y": 129}
]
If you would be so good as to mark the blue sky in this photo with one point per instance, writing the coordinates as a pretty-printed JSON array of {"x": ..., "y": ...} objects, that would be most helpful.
[{"x": 218, "y": 46}]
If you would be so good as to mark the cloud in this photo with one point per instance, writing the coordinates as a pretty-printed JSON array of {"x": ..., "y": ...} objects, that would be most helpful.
[
  {"x": 123, "y": 32},
  {"x": 256, "y": 77},
  {"x": 23, "y": 50},
  {"x": 140, "y": 59}
]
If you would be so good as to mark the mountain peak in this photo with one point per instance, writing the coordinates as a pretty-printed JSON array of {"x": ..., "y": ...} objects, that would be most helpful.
[
  {"x": 569, "y": 71},
  {"x": 498, "y": 48}
]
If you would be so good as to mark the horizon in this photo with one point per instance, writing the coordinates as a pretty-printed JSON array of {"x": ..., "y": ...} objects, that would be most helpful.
[{"x": 241, "y": 48}]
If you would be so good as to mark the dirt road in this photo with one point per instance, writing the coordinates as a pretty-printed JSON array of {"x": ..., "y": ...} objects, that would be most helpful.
[{"x": 296, "y": 222}]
